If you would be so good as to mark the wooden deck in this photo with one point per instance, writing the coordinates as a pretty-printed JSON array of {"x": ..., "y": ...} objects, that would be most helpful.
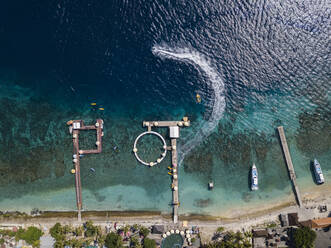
[
  {"x": 77, "y": 152},
  {"x": 175, "y": 198},
  {"x": 289, "y": 164},
  {"x": 166, "y": 123},
  {"x": 173, "y": 148}
]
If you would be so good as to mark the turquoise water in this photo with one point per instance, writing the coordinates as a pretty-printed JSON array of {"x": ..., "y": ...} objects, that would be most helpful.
[
  {"x": 255, "y": 66},
  {"x": 40, "y": 176}
]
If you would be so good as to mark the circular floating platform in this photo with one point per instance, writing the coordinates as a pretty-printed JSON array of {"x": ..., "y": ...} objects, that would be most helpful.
[{"x": 158, "y": 160}]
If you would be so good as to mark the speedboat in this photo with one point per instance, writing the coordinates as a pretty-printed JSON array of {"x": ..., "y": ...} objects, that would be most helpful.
[
  {"x": 318, "y": 172},
  {"x": 254, "y": 179}
]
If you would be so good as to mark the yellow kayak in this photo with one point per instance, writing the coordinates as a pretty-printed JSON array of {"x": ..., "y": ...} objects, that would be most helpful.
[{"x": 198, "y": 97}]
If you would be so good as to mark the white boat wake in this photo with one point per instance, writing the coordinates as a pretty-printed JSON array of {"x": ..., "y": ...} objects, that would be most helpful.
[{"x": 214, "y": 82}]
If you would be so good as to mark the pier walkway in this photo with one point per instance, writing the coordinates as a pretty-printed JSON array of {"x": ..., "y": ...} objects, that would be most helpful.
[
  {"x": 289, "y": 164},
  {"x": 175, "y": 198},
  {"x": 75, "y": 126},
  {"x": 174, "y": 127}
]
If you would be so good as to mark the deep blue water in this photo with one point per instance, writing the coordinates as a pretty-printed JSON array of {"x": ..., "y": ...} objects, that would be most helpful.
[{"x": 256, "y": 66}]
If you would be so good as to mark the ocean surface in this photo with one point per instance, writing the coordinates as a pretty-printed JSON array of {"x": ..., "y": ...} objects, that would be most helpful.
[{"x": 256, "y": 65}]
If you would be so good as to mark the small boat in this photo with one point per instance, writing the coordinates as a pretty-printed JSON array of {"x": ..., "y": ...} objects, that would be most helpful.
[
  {"x": 210, "y": 185},
  {"x": 92, "y": 169},
  {"x": 254, "y": 179},
  {"x": 318, "y": 172}
]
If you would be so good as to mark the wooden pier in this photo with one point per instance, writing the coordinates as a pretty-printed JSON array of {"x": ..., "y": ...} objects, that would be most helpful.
[
  {"x": 174, "y": 127},
  {"x": 175, "y": 198},
  {"x": 75, "y": 126},
  {"x": 289, "y": 164}
]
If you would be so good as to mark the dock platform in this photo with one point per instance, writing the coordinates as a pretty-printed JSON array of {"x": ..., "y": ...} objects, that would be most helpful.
[
  {"x": 75, "y": 126},
  {"x": 174, "y": 128},
  {"x": 289, "y": 164}
]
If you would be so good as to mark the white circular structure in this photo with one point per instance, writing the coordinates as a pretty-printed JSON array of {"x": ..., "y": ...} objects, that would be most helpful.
[
  {"x": 159, "y": 160},
  {"x": 182, "y": 233},
  {"x": 177, "y": 231},
  {"x": 172, "y": 231}
]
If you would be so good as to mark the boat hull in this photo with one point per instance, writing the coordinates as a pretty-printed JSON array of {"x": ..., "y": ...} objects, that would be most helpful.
[
  {"x": 319, "y": 177},
  {"x": 254, "y": 178}
]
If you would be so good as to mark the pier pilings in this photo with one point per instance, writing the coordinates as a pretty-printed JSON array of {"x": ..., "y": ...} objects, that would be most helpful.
[{"x": 289, "y": 164}]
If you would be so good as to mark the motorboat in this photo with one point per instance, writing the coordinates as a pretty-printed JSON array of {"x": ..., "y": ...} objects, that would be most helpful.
[
  {"x": 318, "y": 172},
  {"x": 254, "y": 178}
]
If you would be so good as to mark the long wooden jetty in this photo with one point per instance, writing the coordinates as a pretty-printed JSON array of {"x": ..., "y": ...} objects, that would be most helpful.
[
  {"x": 174, "y": 127},
  {"x": 75, "y": 126},
  {"x": 289, "y": 164},
  {"x": 175, "y": 197}
]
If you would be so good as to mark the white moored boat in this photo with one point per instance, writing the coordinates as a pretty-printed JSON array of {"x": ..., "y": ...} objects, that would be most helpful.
[
  {"x": 254, "y": 179},
  {"x": 318, "y": 172}
]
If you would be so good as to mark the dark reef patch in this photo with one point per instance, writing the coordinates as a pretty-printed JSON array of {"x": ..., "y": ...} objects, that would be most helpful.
[
  {"x": 202, "y": 203},
  {"x": 314, "y": 136}
]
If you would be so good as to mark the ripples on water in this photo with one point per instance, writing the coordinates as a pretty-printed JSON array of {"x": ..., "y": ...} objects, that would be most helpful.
[{"x": 256, "y": 66}]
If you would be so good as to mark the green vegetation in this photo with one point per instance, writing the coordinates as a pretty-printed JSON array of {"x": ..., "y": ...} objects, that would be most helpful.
[
  {"x": 149, "y": 243},
  {"x": 135, "y": 243},
  {"x": 76, "y": 237},
  {"x": 304, "y": 237},
  {"x": 220, "y": 229},
  {"x": 113, "y": 240},
  {"x": 136, "y": 227},
  {"x": 272, "y": 225},
  {"x": 7, "y": 233},
  {"x": 126, "y": 229},
  {"x": 31, "y": 235},
  {"x": 232, "y": 240},
  {"x": 144, "y": 231},
  {"x": 91, "y": 230}
]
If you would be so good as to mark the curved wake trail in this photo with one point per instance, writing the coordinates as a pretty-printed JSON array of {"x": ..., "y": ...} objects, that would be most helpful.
[{"x": 214, "y": 82}]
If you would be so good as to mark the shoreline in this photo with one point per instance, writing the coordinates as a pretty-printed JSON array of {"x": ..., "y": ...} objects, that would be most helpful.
[
  {"x": 245, "y": 219},
  {"x": 207, "y": 224}
]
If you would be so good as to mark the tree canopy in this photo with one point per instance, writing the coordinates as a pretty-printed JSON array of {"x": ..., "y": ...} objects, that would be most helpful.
[
  {"x": 144, "y": 231},
  {"x": 149, "y": 243},
  {"x": 113, "y": 240},
  {"x": 232, "y": 240},
  {"x": 31, "y": 235},
  {"x": 304, "y": 237}
]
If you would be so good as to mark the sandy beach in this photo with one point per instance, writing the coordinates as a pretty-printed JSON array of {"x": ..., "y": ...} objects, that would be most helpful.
[{"x": 245, "y": 219}]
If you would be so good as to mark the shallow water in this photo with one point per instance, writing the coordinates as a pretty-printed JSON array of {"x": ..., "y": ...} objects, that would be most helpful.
[{"x": 256, "y": 66}]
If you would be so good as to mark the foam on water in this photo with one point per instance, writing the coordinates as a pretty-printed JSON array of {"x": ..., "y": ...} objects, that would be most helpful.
[{"x": 214, "y": 81}]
